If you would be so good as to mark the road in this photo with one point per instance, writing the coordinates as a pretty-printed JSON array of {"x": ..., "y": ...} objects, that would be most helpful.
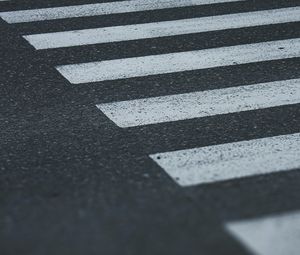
[{"x": 150, "y": 127}]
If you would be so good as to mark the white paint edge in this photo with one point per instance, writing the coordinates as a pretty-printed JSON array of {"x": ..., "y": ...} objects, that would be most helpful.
[
  {"x": 162, "y": 29},
  {"x": 88, "y": 10},
  {"x": 270, "y": 235},
  {"x": 231, "y": 161},
  {"x": 161, "y": 109},
  {"x": 179, "y": 62}
]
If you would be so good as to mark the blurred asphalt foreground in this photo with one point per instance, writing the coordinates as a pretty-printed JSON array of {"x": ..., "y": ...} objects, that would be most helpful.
[{"x": 150, "y": 127}]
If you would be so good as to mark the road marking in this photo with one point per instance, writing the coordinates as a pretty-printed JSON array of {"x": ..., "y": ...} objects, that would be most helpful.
[
  {"x": 202, "y": 104},
  {"x": 101, "y": 9},
  {"x": 161, "y": 29},
  {"x": 274, "y": 235},
  {"x": 230, "y": 161},
  {"x": 180, "y": 61}
]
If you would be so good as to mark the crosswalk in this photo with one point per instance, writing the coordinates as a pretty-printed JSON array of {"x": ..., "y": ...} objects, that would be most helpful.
[
  {"x": 188, "y": 166},
  {"x": 180, "y": 107}
]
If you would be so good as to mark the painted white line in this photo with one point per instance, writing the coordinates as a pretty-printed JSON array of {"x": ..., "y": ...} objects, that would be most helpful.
[
  {"x": 273, "y": 235},
  {"x": 101, "y": 9},
  {"x": 202, "y": 104},
  {"x": 229, "y": 161},
  {"x": 161, "y": 29},
  {"x": 178, "y": 62}
]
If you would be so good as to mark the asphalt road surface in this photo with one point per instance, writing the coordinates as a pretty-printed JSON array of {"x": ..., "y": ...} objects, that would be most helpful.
[{"x": 150, "y": 127}]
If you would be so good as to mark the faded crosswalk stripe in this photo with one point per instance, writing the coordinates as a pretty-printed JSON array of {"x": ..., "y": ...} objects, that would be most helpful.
[
  {"x": 178, "y": 62},
  {"x": 100, "y": 9},
  {"x": 272, "y": 235},
  {"x": 275, "y": 235},
  {"x": 199, "y": 165},
  {"x": 161, "y": 29},
  {"x": 201, "y": 104},
  {"x": 230, "y": 161}
]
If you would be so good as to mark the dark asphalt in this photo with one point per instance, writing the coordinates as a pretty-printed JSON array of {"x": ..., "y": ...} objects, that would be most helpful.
[{"x": 72, "y": 182}]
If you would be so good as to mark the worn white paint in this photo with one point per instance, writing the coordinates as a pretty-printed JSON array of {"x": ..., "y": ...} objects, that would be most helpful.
[
  {"x": 230, "y": 161},
  {"x": 272, "y": 235},
  {"x": 202, "y": 104},
  {"x": 161, "y": 29},
  {"x": 180, "y": 61},
  {"x": 88, "y": 10}
]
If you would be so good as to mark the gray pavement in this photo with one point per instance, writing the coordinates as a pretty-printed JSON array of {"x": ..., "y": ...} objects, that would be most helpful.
[{"x": 73, "y": 182}]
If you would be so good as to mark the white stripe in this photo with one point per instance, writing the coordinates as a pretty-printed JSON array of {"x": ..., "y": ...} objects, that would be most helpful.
[
  {"x": 101, "y": 9},
  {"x": 229, "y": 161},
  {"x": 161, "y": 29},
  {"x": 273, "y": 235},
  {"x": 202, "y": 104},
  {"x": 182, "y": 61}
]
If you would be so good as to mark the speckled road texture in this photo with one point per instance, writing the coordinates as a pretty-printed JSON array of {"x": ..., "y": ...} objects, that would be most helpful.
[{"x": 87, "y": 160}]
